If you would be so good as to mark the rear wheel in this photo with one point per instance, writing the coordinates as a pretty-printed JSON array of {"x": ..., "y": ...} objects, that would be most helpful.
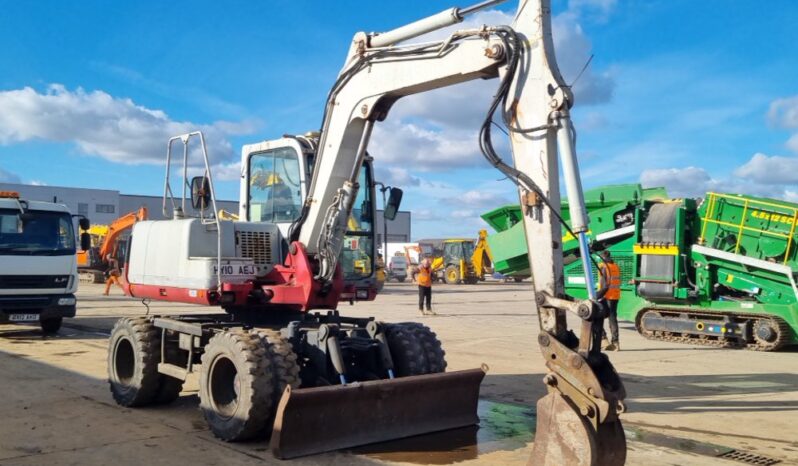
[
  {"x": 51, "y": 325},
  {"x": 236, "y": 385},
  {"x": 406, "y": 349},
  {"x": 518, "y": 279},
  {"x": 452, "y": 275},
  {"x": 133, "y": 355},
  {"x": 284, "y": 366},
  {"x": 434, "y": 354}
]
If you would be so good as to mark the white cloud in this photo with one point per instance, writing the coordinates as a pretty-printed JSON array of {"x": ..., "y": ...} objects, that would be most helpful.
[
  {"x": 784, "y": 112},
  {"x": 478, "y": 199},
  {"x": 766, "y": 169},
  {"x": 680, "y": 182},
  {"x": 397, "y": 177},
  {"x": 410, "y": 145},
  {"x": 8, "y": 177},
  {"x": 113, "y": 128}
]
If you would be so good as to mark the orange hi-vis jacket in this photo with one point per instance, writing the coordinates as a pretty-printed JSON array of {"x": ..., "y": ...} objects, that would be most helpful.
[
  {"x": 424, "y": 277},
  {"x": 613, "y": 274}
]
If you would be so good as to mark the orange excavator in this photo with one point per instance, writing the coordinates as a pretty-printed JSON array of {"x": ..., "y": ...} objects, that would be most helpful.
[{"x": 93, "y": 263}]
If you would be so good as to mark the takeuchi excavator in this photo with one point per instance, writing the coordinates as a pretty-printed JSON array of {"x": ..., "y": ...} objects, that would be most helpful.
[{"x": 281, "y": 357}]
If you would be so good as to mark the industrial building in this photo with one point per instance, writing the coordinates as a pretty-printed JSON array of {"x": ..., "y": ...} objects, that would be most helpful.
[{"x": 103, "y": 206}]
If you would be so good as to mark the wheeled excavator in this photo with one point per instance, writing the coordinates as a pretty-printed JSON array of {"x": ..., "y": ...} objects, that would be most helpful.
[{"x": 281, "y": 357}]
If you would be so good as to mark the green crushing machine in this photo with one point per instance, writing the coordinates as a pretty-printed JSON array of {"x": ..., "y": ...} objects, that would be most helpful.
[{"x": 720, "y": 271}]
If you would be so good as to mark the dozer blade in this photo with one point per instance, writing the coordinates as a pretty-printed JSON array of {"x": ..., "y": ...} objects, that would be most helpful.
[
  {"x": 315, "y": 420},
  {"x": 562, "y": 436}
]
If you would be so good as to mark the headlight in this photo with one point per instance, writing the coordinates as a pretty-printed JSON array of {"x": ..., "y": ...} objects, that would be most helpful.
[{"x": 66, "y": 301}]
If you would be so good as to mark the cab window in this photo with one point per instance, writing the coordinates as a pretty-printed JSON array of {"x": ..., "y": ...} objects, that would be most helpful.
[
  {"x": 357, "y": 256},
  {"x": 275, "y": 191}
]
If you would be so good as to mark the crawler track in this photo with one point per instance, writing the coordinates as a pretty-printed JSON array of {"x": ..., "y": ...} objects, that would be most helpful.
[{"x": 751, "y": 342}]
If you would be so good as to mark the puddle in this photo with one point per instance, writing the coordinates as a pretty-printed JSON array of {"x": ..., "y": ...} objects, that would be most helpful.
[
  {"x": 503, "y": 427},
  {"x": 506, "y": 427}
]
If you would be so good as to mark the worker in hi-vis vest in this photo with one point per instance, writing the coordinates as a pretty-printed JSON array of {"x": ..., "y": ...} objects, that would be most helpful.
[
  {"x": 424, "y": 278},
  {"x": 610, "y": 277}
]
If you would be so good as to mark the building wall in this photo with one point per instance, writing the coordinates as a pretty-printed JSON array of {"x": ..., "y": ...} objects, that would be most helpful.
[
  {"x": 154, "y": 205},
  {"x": 103, "y": 206}
]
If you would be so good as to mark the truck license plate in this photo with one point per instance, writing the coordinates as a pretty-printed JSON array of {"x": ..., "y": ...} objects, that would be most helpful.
[{"x": 23, "y": 317}]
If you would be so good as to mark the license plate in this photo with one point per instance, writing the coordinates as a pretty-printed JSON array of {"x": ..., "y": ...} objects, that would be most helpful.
[
  {"x": 23, "y": 317},
  {"x": 236, "y": 270}
]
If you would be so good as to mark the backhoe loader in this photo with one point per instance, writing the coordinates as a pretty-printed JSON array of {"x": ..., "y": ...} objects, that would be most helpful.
[{"x": 281, "y": 358}]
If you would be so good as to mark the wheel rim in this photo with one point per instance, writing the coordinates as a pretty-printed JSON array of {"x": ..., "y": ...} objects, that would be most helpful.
[
  {"x": 224, "y": 386},
  {"x": 452, "y": 275},
  {"x": 124, "y": 361}
]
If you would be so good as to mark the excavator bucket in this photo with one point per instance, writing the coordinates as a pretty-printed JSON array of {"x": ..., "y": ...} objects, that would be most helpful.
[
  {"x": 562, "y": 436},
  {"x": 315, "y": 420}
]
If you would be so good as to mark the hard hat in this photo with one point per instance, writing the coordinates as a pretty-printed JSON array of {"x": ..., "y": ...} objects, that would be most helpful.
[{"x": 263, "y": 178}]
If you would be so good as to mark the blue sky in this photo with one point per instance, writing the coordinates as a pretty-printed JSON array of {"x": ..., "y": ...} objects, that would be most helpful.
[{"x": 692, "y": 95}]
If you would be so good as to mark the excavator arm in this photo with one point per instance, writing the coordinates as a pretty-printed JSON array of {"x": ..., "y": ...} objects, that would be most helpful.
[
  {"x": 118, "y": 227},
  {"x": 578, "y": 421}
]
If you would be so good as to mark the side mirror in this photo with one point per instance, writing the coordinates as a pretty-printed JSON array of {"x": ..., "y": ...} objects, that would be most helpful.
[
  {"x": 200, "y": 193},
  {"x": 84, "y": 223},
  {"x": 85, "y": 240},
  {"x": 394, "y": 201}
]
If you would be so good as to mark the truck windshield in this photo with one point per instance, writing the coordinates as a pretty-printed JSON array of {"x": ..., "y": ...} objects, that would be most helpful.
[{"x": 37, "y": 233}]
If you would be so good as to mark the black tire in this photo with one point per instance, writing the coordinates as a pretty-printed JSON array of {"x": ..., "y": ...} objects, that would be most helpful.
[
  {"x": 406, "y": 351},
  {"x": 451, "y": 275},
  {"x": 400, "y": 279},
  {"x": 518, "y": 279},
  {"x": 51, "y": 325},
  {"x": 236, "y": 385},
  {"x": 434, "y": 355},
  {"x": 134, "y": 351},
  {"x": 284, "y": 366}
]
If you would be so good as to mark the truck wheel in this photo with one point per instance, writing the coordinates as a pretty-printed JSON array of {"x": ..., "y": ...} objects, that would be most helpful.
[
  {"x": 452, "y": 275},
  {"x": 284, "y": 366},
  {"x": 133, "y": 354},
  {"x": 406, "y": 350},
  {"x": 236, "y": 386},
  {"x": 51, "y": 325},
  {"x": 400, "y": 279},
  {"x": 433, "y": 350},
  {"x": 518, "y": 279}
]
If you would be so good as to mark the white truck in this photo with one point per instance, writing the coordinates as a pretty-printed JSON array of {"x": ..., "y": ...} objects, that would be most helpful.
[{"x": 38, "y": 270}]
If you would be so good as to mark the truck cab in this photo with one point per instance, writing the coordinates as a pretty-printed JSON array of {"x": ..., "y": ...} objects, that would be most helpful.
[{"x": 38, "y": 270}]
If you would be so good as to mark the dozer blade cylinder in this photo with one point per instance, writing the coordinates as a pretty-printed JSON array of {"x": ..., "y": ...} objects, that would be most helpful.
[{"x": 315, "y": 420}]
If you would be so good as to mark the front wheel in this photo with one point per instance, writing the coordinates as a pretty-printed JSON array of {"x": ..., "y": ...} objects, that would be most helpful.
[
  {"x": 236, "y": 385},
  {"x": 51, "y": 325},
  {"x": 452, "y": 275}
]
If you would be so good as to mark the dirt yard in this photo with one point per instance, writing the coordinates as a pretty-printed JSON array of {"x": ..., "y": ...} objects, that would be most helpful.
[{"x": 687, "y": 405}]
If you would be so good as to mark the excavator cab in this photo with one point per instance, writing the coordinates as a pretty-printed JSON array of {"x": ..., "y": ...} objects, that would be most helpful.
[{"x": 277, "y": 175}]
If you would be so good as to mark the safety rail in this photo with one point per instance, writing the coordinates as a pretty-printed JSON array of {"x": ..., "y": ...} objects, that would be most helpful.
[{"x": 769, "y": 207}]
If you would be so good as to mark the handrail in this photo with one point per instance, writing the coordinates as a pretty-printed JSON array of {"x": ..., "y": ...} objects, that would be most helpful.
[{"x": 741, "y": 227}]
